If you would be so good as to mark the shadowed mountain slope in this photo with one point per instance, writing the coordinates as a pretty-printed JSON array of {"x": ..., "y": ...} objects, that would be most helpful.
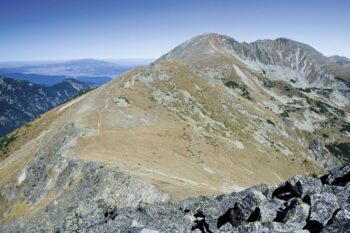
[{"x": 23, "y": 101}]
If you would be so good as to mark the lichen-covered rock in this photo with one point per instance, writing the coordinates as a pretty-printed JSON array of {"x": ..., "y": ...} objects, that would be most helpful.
[
  {"x": 296, "y": 213},
  {"x": 342, "y": 215},
  {"x": 339, "y": 227},
  {"x": 276, "y": 227},
  {"x": 255, "y": 227},
  {"x": 341, "y": 192},
  {"x": 253, "y": 199},
  {"x": 338, "y": 176},
  {"x": 322, "y": 207},
  {"x": 270, "y": 209},
  {"x": 243, "y": 210},
  {"x": 304, "y": 186}
]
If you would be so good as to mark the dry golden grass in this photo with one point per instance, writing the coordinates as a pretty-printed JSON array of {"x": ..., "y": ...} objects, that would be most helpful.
[
  {"x": 168, "y": 152},
  {"x": 155, "y": 143}
]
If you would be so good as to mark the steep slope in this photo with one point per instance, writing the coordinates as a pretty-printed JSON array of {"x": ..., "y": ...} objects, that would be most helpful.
[
  {"x": 283, "y": 59},
  {"x": 309, "y": 91},
  {"x": 200, "y": 121},
  {"x": 22, "y": 101}
]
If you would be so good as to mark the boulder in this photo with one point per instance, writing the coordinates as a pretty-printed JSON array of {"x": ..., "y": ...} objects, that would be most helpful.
[
  {"x": 342, "y": 215},
  {"x": 296, "y": 213},
  {"x": 255, "y": 227},
  {"x": 276, "y": 227},
  {"x": 270, "y": 209},
  {"x": 242, "y": 210},
  {"x": 322, "y": 207},
  {"x": 341, "y": 192},
  {"x": 338, "y": 227},
  {"x": 305, "y": 185},
  {"x": 235, "y": 216},
  {"x": 338, "y": 176}
]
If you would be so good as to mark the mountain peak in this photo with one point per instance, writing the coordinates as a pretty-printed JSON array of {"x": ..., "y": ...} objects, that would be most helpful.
[
  {"x": 209, "y": 36},
  {"x": 89, "y": 61},
  {"x": 196, "y": 47},
  {"x": 310, "y": 66}
]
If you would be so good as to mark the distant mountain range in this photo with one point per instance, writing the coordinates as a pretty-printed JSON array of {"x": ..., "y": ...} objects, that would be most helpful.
[
  {"x": 342, "y": 61},
  {"x": 53, "y": 79},
  {"x": 23, "y": 101},
  {"x": 30, "y": 89},
  {"x": 84, "y": 70}
]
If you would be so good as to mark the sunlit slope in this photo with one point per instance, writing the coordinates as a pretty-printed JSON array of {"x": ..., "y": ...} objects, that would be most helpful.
[{"x": 202, "y": 120}]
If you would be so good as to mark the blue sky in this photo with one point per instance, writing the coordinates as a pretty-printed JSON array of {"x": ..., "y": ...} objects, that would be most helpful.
[{"x": 106, "y": 29}]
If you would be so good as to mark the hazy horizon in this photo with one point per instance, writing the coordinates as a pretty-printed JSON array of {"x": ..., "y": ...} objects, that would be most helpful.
[
  {"x": 42, "y": 30},
  {"x": 122, "y": 62}
]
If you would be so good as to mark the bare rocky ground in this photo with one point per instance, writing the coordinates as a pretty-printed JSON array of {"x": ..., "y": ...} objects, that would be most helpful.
[{"x": 106, "y": 201}]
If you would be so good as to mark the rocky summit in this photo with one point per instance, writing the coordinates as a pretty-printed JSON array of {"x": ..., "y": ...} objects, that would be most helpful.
[{"x": 176, "y": 146}]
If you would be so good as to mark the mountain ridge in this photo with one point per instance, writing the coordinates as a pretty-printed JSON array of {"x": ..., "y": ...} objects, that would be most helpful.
[
  {"x": 201, "y": 120},
  {"x": 260, "y": 51}
]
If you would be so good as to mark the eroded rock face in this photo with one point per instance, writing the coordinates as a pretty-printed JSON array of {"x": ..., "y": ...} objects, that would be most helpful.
[
  {"x": 302, "y": 204},
  {"x": 322, "y": 155}
]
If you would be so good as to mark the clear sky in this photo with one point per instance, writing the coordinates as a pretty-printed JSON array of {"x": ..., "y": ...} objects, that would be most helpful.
[{"x": 106, "y": 29}]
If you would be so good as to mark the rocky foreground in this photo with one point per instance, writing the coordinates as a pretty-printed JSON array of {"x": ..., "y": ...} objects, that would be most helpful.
[{"x": 301, "y": 204}]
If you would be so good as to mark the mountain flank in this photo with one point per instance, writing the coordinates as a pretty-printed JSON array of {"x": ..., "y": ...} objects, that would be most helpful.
[{"x": 210, "y": 118}]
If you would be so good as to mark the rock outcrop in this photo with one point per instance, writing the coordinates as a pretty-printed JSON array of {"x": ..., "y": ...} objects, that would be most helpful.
[
  {"x": 322, "y": 155},
  {"x": 301, "y": 204}
]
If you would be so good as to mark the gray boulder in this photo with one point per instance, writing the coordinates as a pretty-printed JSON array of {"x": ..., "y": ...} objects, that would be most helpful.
[
  {"x": 322, "y": 207},
  {"x": 339, "y": 227},
  {"x": 243, "y": 210},
  {"x": 270, "y": 209},
  {"x": 341, "y": 192},
  {"x": 342, "y": 215},
  {"x": 338, "y": 176},
  {"x": 305, "y": 185},
  {"x": 296, "y": 213},
  {"x": 276, "y": 227}
]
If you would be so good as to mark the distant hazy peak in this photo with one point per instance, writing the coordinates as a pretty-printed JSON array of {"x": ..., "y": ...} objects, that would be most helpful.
[
  {"x": 337, "y": 57},
  {"x": 87, "y": 61}
]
